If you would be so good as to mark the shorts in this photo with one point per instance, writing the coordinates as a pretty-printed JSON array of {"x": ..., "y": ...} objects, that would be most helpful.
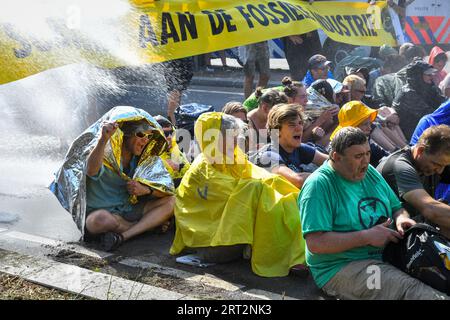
[
  {"x": 258, "y": 57},
  {"x": 131, "y": 213},
  {"x": 178, "y": 73}
]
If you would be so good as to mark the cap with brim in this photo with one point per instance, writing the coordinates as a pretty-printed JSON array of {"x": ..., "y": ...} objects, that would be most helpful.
[
  {"x": 352, "y": 114},
  {"x": 430, "y": 71},
  {"x": 318, "y": 61},
  {"x": 337, "y": 86}
]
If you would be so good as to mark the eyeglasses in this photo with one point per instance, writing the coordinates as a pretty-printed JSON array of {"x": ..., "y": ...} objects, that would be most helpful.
[
  {"x": 168, "y": 133},
  {"x": 143, "y": 135}
]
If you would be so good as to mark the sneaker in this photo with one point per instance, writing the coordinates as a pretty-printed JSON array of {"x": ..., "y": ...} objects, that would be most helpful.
[
  {"x": 89, "y": 237},
  {"x": 110, "y": 241}
]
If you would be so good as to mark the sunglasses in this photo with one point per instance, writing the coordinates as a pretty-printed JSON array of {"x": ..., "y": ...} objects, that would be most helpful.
[
  {"x": 168, "y": 133},
  {"x": 143, "y": 135}
]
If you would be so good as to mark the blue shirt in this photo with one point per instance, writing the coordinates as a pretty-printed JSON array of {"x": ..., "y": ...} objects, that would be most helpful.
[
  {"x": 270, "y": 157},
  {"x": 107, "y": 190},
  {"x": 308, "y": 79}
]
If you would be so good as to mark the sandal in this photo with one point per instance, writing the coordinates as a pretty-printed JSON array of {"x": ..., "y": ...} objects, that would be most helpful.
[
  {"x": 166, "y": 226},
  {"x": 110, "y": 241}
]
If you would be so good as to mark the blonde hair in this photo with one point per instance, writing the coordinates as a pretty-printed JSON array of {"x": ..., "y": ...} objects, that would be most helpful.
[
  {"x": 354, "y": 82},
  {"x": 233, "y": 107}
]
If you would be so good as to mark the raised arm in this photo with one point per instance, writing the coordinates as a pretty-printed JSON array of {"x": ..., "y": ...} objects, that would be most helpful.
[{"x": 95, "y": 159}]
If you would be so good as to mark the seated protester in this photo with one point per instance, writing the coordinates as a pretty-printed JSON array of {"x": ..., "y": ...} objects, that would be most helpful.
[
  {"x": 342, "y": 207},
  {"x": 445, "y": 86},
  {"x": 341, "y": 92},
  {"x": 357, "y": 114},
  {"x": 414, "y": 172},
  {"x": 235, "y": 109},
  {"x": 257, "y": 118},
  {"x": 294, "y": 90},
  {"x": 440, "y": 116},
  {"x": 225, "y": 202},
  {"x": 386, "y": 53},
  {"x": 357, "y": 87},
  {"x": 418, "y": 97},
  {"x": 318, "y": 68},
  {"x": 289, "y": 156},
  {"x": 321, "y": 114},
  {"x": 387, "y": 86},
  {"x": 392, "y": 64},
  {"x": 174, "y": 159},
  {"x": 113, "y": 182},
  {"x": 438, "y": 59},
  {"x": 386, "y": 131}
]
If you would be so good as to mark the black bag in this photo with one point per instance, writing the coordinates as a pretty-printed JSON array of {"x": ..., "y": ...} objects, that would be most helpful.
[
  {"x": 186, "y": 114},
  {"x": 424, "y": 254}
]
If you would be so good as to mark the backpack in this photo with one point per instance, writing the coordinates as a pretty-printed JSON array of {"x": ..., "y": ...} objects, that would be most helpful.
[
  {"x": 186, "y": 114},
  {"x": 423, "y": 253}
]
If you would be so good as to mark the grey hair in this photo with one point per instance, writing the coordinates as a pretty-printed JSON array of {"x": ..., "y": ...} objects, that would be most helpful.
[
  {"x": 345, "y": 138},
  {"x": 229, "y": 123}
]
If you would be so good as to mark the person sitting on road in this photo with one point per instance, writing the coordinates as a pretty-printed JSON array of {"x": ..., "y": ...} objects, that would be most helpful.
[
  {"x": 113, "y": 182},
  {"x": 438, "y": 59},
  {"x": 321, "y": 113},
  {"x": 257, "y": 118},
  {"x": 387, "y": 86},
  {"x": 289, "y": 156},
  {"x": 386, "y": 131},
  {"x": 342, "y": 206},
  {"x": 357, "y": 114},
  {"x": 235, "y": 109},
  {"x": 418, "y": 97},
  {"x": 318, "y": 68},
  {"x": 225, "y": 203},
  {"x": 414, "y": 173},
  {"x": 440, "y": 116},
  {"x": 109, "y": 211},
  {"x": 173, "y": 158}
]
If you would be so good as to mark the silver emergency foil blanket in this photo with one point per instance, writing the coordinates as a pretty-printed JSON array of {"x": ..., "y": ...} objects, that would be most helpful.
[{"x": 69, "y": 185}]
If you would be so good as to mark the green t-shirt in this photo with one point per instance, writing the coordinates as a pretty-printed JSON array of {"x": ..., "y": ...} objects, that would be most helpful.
[
  {"x": 252, "y": 102},
  {"x": 328, "y": 202}
]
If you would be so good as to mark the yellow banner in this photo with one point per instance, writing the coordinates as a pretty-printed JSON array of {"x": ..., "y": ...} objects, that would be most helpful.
[{"x": 144, "y": 31}]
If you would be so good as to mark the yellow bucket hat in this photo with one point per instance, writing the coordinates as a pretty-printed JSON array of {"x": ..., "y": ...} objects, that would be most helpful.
[{"x": 352, "y": 114}]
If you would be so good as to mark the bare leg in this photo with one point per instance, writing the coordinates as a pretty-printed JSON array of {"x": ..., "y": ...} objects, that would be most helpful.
[
  {"x": 101, "y": 221},
  {"x": 155, "y": 213},
  {"x": 263, "y": 80},
  {"x": 393, "y": 136},
  {"x": 223, "y": 58},
  {"x": 248, "y": 86},
  {"x": 173, "y": 102},
  {"x": 379, "y": 137}
]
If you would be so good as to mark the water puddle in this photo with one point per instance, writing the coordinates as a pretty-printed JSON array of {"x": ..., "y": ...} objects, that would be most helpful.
[{"x": 8, "y": 217}]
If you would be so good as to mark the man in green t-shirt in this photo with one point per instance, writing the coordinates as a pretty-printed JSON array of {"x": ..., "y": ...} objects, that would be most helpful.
[{"x": 346, "y": 209}]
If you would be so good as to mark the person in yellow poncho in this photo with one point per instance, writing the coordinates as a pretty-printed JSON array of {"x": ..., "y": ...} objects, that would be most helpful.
[
  {"x": 224, "y": 200},
  {"x": 173, "y": 158}
]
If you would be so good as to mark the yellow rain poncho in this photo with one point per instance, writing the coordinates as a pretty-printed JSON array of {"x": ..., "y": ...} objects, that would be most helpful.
[{"x": 240, "y": 203}]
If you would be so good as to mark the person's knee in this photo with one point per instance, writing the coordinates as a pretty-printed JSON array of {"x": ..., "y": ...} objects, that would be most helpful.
[
  {"x": 99, "y": 221},
  {"x": 170, "y": 204}
]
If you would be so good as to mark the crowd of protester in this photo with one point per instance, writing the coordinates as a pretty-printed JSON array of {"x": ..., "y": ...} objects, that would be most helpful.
[{"x": 279, "y": 177}]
